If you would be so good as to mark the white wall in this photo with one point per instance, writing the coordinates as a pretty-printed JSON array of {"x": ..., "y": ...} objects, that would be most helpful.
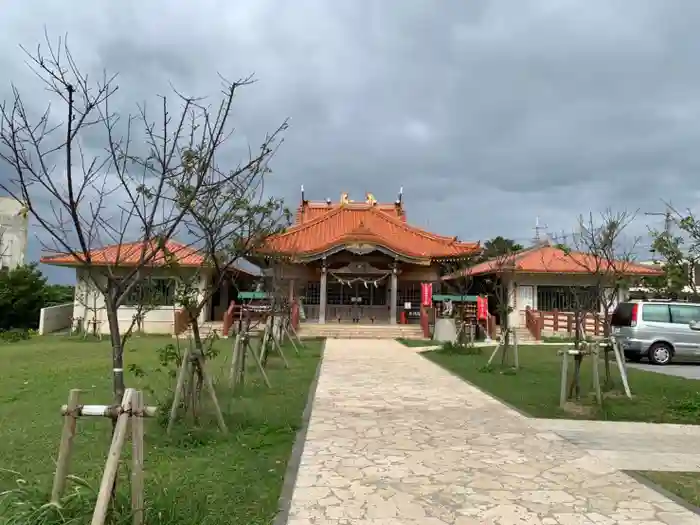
[
  {"x": 55, "y": 318},
  {"x": 517, "y": 318},
  {"x": 13, "y": 233},
  {"x": 89, "y": 304}
]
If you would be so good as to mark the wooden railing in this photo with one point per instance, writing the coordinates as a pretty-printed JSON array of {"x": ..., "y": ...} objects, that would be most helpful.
[
  {"x": 539, "y": 322},
  {"x": 534, "y": 323}
]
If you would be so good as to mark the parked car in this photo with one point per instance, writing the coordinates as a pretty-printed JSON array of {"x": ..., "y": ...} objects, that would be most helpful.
[{"x": 659, "y": 331}]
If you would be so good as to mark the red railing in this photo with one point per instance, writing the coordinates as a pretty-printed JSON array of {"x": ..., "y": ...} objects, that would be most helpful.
[
  {"x": 556, "y": 322},
  {"x": 534, "y": 323}
]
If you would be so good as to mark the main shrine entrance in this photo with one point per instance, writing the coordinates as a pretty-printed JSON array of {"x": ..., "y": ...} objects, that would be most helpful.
[
  {"x": 359, "y": 262},
  {"x": 357, "y": 292}
]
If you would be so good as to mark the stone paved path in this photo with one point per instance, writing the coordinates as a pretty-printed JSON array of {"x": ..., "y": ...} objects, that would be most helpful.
[
  {"x": 632, "y": 446},
  {"x": 394, "y": 439}
]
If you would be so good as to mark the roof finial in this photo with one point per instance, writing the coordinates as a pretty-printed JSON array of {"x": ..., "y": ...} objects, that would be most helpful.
[
  {"x": 400, "y": 199},
  {"x": 303, "y": 200}
]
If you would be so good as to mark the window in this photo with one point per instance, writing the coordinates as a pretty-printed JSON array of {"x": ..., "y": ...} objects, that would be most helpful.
[
  {"x": 313, "y": 293},
  {"x": 656, "y": 313},
  {"x": 335, "y": 293},
  {"x": 684, "y": 313},
  {"x": 408, "y": 293},
  {"x": 152, "y": 292},
  {"x": 566, "y": 298}
]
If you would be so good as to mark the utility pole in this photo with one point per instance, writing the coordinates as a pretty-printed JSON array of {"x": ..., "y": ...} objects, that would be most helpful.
[{"x": 668, "y": 222}]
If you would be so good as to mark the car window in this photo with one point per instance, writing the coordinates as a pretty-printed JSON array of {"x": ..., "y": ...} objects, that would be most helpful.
[
  {"x": 622, "y": 316},
  {"x": 657, "y": 313},
  {"x": 684, "y": 313}
]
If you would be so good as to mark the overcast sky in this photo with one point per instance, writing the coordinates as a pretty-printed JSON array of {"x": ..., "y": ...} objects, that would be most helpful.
[{"x": 488, "y": 113}]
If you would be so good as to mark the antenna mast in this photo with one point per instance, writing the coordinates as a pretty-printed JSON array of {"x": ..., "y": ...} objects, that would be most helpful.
[{"x": 537, "y": 229}]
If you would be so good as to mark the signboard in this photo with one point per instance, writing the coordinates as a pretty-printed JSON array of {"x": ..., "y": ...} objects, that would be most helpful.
[
  {"x": 426, "y": 294},
  {"x": 406, "y": 306},
  {"x": 482, "y": 307}
]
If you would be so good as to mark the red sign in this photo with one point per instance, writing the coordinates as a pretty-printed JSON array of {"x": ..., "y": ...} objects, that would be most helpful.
[
  {"x": 426, "y": 293},
  {"x": 482, "y": 307}
]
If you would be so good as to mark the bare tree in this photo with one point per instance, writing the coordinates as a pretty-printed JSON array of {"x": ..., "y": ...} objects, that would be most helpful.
[
  {"x": 602, "y": 251},
  {"x": 502, "y": 272},
  {"x": 73, "y": 195},
  {"x": 229, "y": 219}
]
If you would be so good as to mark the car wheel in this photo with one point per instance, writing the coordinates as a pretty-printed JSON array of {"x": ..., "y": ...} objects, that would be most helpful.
[{"x": 660, "y": 354}]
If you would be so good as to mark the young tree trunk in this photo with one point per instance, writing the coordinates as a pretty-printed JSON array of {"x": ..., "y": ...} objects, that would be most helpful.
[{"x": 118, "y": 387}]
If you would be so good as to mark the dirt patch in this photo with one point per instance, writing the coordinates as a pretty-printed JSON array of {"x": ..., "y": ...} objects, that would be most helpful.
[{"x": 577, "y": 409}]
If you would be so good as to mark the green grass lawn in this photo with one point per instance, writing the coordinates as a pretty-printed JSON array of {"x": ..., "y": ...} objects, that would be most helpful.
[
  {"x": 534, "y": 388},
  {"x": 210, "y": 478},
  {"x": 417, "y": 343},
  {"x": 685, "y": 485}
]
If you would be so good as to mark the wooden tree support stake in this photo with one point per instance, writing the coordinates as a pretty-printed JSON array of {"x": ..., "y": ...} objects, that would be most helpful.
[
  {"x": 596, "y": 374},
  {"x": 66, "y": 447},
  {"x": 564, "y": 377},
  {"x": 192, "y": 364},
  {"x": 131, "y": 410}
]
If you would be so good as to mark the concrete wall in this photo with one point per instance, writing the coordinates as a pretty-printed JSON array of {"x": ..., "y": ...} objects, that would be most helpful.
[
  {"x": 13, "y": 233},
  {"x": 55, "y": 318},
  {"x": 89, "y": 305}
]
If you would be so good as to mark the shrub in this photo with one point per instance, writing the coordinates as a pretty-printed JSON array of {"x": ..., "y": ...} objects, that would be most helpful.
[{"x": 15, "y": 335}]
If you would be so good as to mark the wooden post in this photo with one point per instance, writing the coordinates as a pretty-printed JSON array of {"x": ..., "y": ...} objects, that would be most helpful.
[
  {"x": 179, "y": 387},
  {"x": 564, "y": 377},
  {"x": 281, "y": 353},
  {"x": 66, "y": 447},
  {"x": 555, "y": 314},
  {"x": 495, "y": 351},
  {"x": 137, "y": 415},
  {"x": 596, "y": 374},
  {"x": 209, "y": 385},
  {"x": 516, "y": 358},
  {"x": 258, "y": 363},
  {"x": 235, "y": 356},
  {"x": 621, "y": 368},
  {"x": 105, "y": 492},
  {"x": 289, "y": 335}
]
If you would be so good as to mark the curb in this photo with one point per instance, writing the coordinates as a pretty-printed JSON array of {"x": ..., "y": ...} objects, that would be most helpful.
[
  {"x": 290, "y": 474},
  {"x": 489, "y": 394},
  {"x": 634, "y": 475},
  {"x": 670, "y": 495}
]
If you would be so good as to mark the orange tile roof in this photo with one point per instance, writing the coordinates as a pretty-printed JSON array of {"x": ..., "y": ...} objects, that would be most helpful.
[
  {"x": 309, "y": 211},
  {"x": 129, "y": 254},
  {"x": 550, "y": 259},
  {"x": 364, "y": 223}
]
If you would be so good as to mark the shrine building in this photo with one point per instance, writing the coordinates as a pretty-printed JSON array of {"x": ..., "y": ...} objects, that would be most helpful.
[{"x": 359, "y": 262}]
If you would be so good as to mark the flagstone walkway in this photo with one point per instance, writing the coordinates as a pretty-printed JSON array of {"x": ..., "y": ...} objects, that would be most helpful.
[
  {"x": 394, "y": 439},
  {"x": 632, "y": 446}
]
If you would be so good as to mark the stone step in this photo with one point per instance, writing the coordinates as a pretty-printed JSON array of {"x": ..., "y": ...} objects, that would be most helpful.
[{"x": 355, "y": 331}]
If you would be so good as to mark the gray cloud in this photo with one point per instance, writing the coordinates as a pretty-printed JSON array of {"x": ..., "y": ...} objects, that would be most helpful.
[{"x": 488, "y": 113}]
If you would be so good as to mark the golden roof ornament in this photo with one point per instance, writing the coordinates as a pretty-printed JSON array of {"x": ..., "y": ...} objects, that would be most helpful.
[
  {"x": 370, "y": 199},
  {"x": 344, "y": 199}
]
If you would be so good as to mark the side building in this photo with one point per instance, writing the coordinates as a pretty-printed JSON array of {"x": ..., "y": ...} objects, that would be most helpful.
[{"x": 14, "y": 227}]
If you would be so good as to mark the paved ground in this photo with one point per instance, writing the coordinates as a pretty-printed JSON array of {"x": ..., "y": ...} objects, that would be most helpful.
[
  {"x": 632, "y": 446},
  {"x": 687, "y": 370},
  {"x": 395, "y": 440}
]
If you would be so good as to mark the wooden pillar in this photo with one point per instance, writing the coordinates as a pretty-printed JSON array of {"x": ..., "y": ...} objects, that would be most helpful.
[
  {"x": 322, "y": 301},
  {"x": 394, "y": 294},
  {"x": 292, "y": 285}
]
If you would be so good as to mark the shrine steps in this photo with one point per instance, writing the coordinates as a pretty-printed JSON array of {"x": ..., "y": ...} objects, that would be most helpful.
[
  {"x": 333, "y": 330},
  {"x": 361, "y": 331}
]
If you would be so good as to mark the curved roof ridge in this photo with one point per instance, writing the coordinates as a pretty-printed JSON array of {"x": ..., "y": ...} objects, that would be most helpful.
[
  {"x": 312, "y": 222},
  {"x": 421, "y": 231}
]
